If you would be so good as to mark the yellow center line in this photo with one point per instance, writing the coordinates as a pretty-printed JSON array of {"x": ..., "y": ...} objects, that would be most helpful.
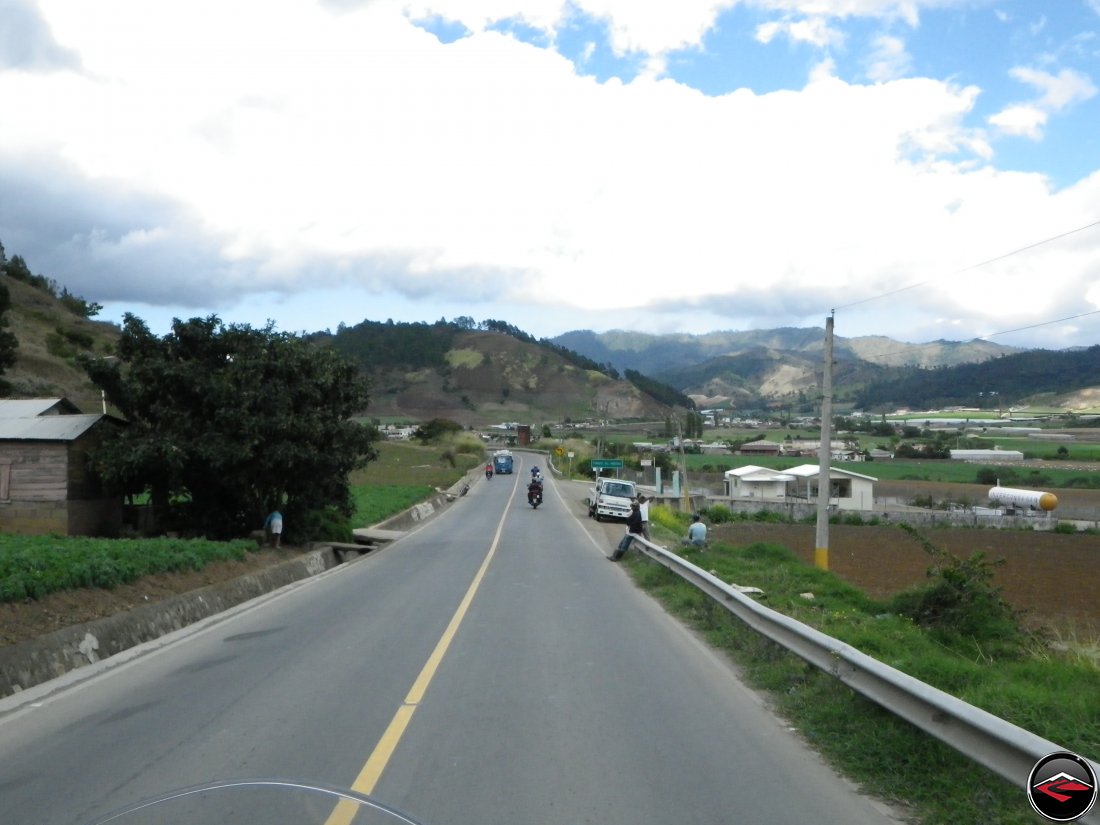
[{"x": 368, "y": 777}]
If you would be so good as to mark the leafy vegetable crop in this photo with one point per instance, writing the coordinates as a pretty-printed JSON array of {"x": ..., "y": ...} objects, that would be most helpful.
[{"x": 33, "y": 566}]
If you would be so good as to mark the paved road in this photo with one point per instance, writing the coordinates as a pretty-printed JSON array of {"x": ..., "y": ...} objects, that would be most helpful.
[{"x": 491, "y": 667}]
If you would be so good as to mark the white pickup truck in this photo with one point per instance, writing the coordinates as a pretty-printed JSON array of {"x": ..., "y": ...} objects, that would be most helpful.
[{"x": 610, "y": 498}]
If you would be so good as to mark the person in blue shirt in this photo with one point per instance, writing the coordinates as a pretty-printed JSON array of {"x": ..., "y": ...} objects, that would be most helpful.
[
  {"x": 697, "y": 533},
  {"x": 273, "y": 527}
]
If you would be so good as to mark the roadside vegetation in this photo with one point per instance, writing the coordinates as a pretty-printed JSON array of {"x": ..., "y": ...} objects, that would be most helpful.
[
  {"x": 405, "y": 473},
  {"x": 34, "y": 566},
  {"x": 954, "y": 632}
]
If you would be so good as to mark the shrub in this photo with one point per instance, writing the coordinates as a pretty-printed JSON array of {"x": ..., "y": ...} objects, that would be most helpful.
[
  {"x": 987, "y": 476},
  {"x": 321, "y": 525},
  {"x": 770, "y": 516},
  {"x": 668, "y": 518},
  {"x": 959, "y": 600},
  {"x": 718, "y": 514}
]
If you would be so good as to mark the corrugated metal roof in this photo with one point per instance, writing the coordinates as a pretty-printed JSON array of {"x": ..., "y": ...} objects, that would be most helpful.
[
  {"x": 47, "y": 427},
  {"x": 811, "y": 470},
  {"x": 31, "y": 407}
]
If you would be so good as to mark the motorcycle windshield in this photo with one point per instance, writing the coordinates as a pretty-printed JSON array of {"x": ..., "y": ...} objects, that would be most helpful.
[{"x": 273, "y": 802}]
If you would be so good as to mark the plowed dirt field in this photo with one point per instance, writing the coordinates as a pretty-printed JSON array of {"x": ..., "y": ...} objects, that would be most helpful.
[{"x": 1054, "y": 578}]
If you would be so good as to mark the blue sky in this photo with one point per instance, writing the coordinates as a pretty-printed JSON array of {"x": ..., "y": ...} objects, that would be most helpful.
[{"x": 709, "y": 164}]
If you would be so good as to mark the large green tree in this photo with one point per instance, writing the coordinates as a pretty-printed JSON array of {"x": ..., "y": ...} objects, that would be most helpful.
[{"x": 228, "y": 421}]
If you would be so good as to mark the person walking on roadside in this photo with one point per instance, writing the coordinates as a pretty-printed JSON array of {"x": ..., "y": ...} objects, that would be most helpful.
[
  {"x": 273, "y": 527},
  {"x": 633, "y": 529}
]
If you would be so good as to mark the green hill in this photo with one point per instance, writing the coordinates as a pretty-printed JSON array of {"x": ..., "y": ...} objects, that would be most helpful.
[{"x": 51, "y": 335}]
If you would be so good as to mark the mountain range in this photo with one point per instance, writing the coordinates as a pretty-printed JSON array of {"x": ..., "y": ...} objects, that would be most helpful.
[
  {"x": 478, "y": 373},
  {"x": 783, "y": 367}
]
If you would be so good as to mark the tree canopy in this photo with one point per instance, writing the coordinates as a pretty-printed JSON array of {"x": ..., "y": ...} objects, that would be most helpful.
[{"x": 228, "y": 422}]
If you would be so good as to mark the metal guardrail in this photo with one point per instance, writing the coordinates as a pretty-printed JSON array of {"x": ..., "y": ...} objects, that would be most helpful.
[{"x": 1004, "y": 748}]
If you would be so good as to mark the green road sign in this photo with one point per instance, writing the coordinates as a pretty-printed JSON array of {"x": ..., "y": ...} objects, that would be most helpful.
[{"x": 607, "y": 464}]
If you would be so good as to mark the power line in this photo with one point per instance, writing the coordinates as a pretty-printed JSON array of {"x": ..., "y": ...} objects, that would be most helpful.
[
  {"x": 976, "y": 266},
  {"x": 1040, "y": 324}
]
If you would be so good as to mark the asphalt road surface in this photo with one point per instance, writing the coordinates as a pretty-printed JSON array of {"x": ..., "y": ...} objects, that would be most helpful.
[{"x": 490, "y": 667}]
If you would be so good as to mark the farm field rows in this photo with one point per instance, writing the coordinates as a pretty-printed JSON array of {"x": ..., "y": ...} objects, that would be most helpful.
[{"x": 1053, "y": 578}]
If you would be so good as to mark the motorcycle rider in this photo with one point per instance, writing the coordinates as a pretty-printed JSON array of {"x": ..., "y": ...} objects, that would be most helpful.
[
  {"x": 488, "y": 471},
  {"x": 534, "y": 489}
]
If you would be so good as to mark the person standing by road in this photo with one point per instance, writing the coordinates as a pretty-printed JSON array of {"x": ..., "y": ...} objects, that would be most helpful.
[
  {"x": 643, "y": 508},
  {"x": 633, "y": 529},
  {"x": 273, "y": 527}
]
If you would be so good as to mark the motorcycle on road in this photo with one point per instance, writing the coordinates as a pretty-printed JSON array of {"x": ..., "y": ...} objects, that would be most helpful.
[{"x": 534, "y": 494}]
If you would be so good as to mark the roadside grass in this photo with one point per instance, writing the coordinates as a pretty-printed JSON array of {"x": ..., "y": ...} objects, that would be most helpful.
[
  {"x": 34, "y": 566},
  {"x": 375, "y": 503},
  {"x": 1024, "y": 682},
  {"x": 405, "y": 474}
]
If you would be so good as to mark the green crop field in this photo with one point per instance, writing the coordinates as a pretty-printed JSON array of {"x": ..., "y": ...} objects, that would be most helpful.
[
  {"x": 33, "y": 566},
  {"x": 405, "y": 474}
]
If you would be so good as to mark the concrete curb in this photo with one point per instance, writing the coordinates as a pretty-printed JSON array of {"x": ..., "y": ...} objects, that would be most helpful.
[{"x": 35, "y": 661}]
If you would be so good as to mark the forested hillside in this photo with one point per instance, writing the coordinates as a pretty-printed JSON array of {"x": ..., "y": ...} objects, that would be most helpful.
[
  {"x": 470, "y": 369},
  {"x": 999, "y": 382},
  {"x": 44, "y": 329}
]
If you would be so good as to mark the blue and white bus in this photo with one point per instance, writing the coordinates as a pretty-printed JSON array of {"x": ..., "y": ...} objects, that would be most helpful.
[{"x": 502, "y": 462}]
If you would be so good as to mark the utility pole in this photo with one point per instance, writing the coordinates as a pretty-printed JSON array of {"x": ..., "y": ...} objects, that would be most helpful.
[
  {"x": 824, "y": 482},
  {"x": 685, "y": 497}
]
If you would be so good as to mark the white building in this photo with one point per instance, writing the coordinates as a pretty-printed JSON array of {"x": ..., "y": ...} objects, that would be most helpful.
[
  {"x": 847, "y": 490},
  {"x": 751, "y": 481},
  {"x": 987, "y": 455}
]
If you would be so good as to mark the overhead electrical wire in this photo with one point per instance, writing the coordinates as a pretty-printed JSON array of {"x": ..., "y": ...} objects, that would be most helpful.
[
  {"x": 1041, "y": 324},
  {"x": 972, "y": 266},
  {"x": 882, "y": 356}
]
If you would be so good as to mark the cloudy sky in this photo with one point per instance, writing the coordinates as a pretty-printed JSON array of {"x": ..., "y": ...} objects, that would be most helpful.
[{"x": 926, "y": 168}]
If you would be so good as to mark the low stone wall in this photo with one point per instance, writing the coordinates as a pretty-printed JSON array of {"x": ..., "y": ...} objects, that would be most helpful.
[{"x": 800, "y": 511}]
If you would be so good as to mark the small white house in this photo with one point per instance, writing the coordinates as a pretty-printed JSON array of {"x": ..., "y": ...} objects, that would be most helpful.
[
  {"x": 751, "y": 481},
  {"x": 847, "y": 490}
]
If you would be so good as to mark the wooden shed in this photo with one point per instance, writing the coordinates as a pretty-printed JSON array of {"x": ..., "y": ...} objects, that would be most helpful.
[{"x": 45, "y": 486}]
